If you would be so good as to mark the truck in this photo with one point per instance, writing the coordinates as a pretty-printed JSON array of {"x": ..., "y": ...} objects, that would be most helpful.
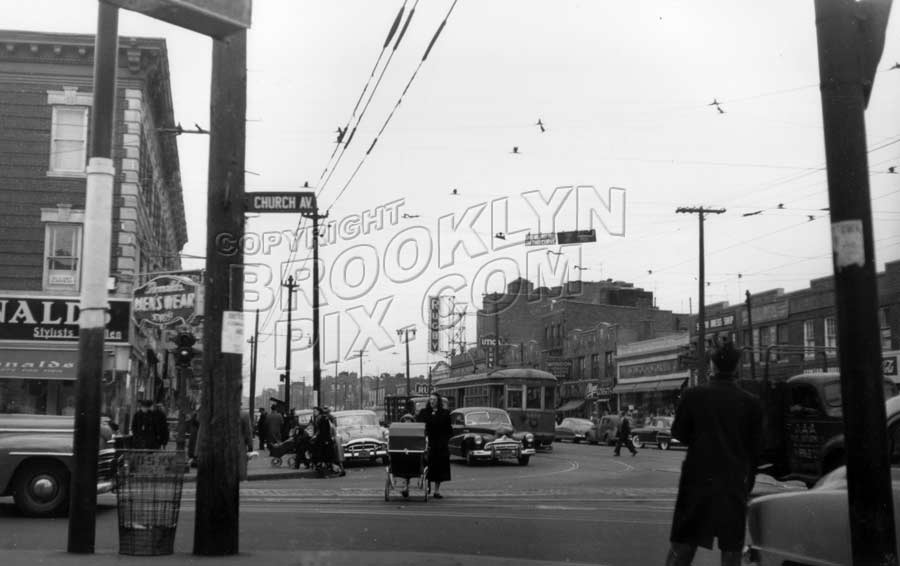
[{"x": 803, "y": 425}]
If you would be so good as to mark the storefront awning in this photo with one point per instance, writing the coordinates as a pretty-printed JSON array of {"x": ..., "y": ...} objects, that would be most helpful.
[
  {"x": 646, "y": 386},
  {"x": 570, "y": 405},
  {"x": 38, "y": 364}
]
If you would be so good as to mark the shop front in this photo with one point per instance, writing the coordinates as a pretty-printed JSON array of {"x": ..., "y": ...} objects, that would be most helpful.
[
  {"x": 39, "y": 355},
  {"x": 651, "y": 375}
]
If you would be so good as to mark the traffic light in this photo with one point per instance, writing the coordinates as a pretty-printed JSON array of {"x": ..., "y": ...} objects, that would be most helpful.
[
  {"x": 282, "y": 377},
  {"x": 184, "y": 350}
]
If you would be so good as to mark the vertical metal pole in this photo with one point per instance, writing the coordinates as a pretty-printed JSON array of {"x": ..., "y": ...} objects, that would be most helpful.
[
  {"x": 94, "y": 296},
  {"x": 701, "y": 312},
  {"x": 361, "y": 378},
  {"x": 496, "y": 334},
  {"x": 220, "y": 450},
  {"x": 254, "y": 353},
  {"x": 850, "y": 39},
  {"x": 317, "y": 368}
]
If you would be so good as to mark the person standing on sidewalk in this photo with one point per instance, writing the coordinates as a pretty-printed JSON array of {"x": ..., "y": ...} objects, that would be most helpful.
[
  {"x": 261, "y": 428},
  {"x": 143, "y": 427},
  {"x": 274, "y": 424},
  {"x": 438, "y": 430},
  {"x": 625, "y": 435},
  {"x": 721, "y": 425}
]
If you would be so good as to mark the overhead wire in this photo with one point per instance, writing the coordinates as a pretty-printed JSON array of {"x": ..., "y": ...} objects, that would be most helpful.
[{"x": 396, "y": 105}]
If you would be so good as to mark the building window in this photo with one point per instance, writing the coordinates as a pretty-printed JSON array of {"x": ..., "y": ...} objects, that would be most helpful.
[
  {"x": 885, "y": 329},
  {"x": 609, "y": 362},
  {"x": 62, "y": 253},
  {"x": 831, "y": 332},
  {"x": 68, "y": 131},
  {"x": 756, "y": 344},
  {"x": 582, "y": 372},
  {"x": 595, "y": 365},
  {"x": 809, "y": 339}
]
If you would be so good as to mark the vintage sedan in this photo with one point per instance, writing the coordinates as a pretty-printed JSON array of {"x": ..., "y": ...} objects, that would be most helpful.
[
  {"x": 573, "y": 429},
  {"x": 606, "y": 431},
  {"x": 780, "y": 525},
  {"x": 36, "y": 462},
  {"x": 363, "y": 439},
  {"x": 656, "y": 431},
  {"x": 487, "y": 434}
]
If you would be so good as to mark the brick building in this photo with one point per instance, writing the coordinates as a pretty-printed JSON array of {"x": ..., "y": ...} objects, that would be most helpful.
[
  {"x": 45, "y": 105},
  {"x": 788, "y": 333},
  {"x": 571, "y": 331}
]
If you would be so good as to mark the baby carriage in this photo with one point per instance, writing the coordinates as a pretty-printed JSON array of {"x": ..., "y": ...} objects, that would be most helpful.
[
  {"x": 283, "y": 452},
  {"x": 407, "y": 464}
]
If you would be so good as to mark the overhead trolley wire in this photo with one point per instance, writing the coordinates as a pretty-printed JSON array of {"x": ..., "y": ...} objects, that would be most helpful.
[{"x": 397, "y": 104}]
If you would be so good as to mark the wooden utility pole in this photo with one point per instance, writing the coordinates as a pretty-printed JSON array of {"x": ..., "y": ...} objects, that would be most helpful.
[
  {"x": 702, "y": 365},
  {"x": 362, "y": 351},
  {"x": 750, "y": 330},
  {"x": 94, "y": 296},
  {"x": 220, "y": 450},
  {"x": 254, "y": 352},
  {"x": 317, "y": 366},
  {"x": 850, "y": 39},
  {"x": 291, "y": 285}
]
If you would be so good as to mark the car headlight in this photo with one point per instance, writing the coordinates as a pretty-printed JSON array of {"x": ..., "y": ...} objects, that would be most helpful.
[
  {"x": 529, "y": 437},
  {"x": 478, "y": 440}
]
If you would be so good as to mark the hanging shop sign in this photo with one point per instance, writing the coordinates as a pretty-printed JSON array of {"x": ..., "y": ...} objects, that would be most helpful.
[
  {"x": 55, "y": 319},
  {"x": 434, "y": 324},
  {"x": 164, "y": 301}
]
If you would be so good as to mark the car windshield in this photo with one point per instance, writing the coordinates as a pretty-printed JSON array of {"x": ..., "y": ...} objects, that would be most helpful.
[
  {"x": 487, "y": 417},
  {"x": 663, "y": 423},
  {"x": 832, "y": 393},
  {"x": 357, "y": 420}
]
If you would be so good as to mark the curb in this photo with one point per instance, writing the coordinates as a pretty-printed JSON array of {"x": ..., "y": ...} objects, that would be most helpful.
[{"x": 285, "y": 475}]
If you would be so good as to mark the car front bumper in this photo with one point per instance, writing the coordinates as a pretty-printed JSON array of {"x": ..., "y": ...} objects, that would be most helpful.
[
  {"x": 352, "y": 452},
  {"x": 501, "y": 453}
]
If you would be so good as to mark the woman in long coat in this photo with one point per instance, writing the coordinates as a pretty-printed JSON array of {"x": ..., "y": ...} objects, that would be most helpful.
[{"x": 438, "y": 430}]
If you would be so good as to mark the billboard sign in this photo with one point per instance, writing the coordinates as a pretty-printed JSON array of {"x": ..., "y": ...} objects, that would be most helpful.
[{"x": 52, "y": 319}]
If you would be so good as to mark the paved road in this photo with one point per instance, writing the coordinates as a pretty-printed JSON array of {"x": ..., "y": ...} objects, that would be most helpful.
[{"x": 577, "y": 504}]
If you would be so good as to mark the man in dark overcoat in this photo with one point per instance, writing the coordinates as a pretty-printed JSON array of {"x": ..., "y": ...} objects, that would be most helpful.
[
  {"x": 624, "y": 435},
  {"x": 721, "y": 425},
  {"x": 274, "y": 424},
  {"x": 144, "y": 427}
]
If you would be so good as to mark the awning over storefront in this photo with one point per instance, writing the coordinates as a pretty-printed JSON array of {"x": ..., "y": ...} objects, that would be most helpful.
[
  {"x": 38, "y": 364},
  {"x": 646, "y": 386},
  {"x": 570, "y": 405}
]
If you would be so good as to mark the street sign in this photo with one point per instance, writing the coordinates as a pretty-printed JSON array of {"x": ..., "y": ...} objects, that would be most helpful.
[
  {"x": 215, "y": 18},
  {"x": 540, "y": 239},
  {"x": 576, "y": 237},
  {"x": 282, "y": 201}
]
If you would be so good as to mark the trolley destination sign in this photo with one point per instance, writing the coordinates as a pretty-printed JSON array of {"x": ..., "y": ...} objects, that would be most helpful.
[{"x": 283, "y": 201}]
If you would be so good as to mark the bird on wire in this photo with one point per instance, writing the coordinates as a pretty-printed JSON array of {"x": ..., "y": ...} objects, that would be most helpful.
[
  {"x": 340, "y": 134},
  {"x": 811, "y": 217},
  {"x": 780, "y": 206},
  {"x": 454, "y": 192},
  {"x": 892, "y": 169},
  {"x": 718, "y": 105},
  {"x": 896, "y": 66},
  {"x": 752, "y": 213},
  {"x": 540, "y": 125},
  {"x": 500, "y": 236},
  {"x": 515, "y": 150}
]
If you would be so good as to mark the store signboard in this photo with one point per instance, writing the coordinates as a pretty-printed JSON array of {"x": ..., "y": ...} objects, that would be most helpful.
[
  {"x": 55, "y": 319},
  {"x": 165, "y": 301}
]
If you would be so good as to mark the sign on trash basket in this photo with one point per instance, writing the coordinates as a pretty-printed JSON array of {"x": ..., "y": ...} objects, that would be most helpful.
[{"x": 148, "y": 495}]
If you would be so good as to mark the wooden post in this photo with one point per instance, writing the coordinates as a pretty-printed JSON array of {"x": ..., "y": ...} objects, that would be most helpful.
[{"x": 220, "y": 448}]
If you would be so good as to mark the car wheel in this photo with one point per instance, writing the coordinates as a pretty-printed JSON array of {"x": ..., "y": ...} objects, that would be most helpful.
[
  {"x": 523, "y": 460},
  {"x": 637, "y": 442},
  {"x": 42, "y": 489},
  {"x": 663, "y": 444},
  {"x": 275, "y": 462}
]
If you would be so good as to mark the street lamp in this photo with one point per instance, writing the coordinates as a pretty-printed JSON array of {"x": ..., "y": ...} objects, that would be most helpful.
[{"x": 404, "y": 334}]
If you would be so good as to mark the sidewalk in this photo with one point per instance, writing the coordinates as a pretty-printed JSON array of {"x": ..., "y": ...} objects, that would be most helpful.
[
  {"x": 260, "y": 468},
  {"x": 296, "y": 558}
]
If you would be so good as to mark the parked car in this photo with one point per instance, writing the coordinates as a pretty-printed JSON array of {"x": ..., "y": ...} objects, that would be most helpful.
[
  {"x": 572, "y": 429},
  {"x": 363, "y": 439},
  {"x": 780, "y": 525},
  {"x": 487, "y": 434},
  {"x": 656, "y": 431},
  {"x": 36, "y": 462},
  {"x": 606, "y": 431}
]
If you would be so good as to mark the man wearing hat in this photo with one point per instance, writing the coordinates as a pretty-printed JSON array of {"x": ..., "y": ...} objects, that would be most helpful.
[
  {"x": 144, "y": 427},
  {"x": 721, "y": 425}
]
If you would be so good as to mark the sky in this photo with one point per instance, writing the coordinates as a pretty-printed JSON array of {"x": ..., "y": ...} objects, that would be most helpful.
[{"x": 623, "y": 92}]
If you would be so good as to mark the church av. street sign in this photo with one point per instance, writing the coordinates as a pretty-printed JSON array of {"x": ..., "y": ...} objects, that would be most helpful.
[{"x": 284, "y": 201}]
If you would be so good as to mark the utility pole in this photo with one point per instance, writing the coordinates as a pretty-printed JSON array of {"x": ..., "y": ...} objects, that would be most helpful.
[
  {"x": 702, "y": 364},
  {"x": 291, "y": 285},
  {"x": 254, "y": 351},
  {"x": 851, "y": 38},
  {"x": 404, "y": 333},
  {"x": 220, "y": 453},
  {"x": 334, "y": 383},
  {"x": 361, "y": 352},
  {"x": 750, "y": 330},
  {"x": 317, "y": 368},
  {"x": 82, "y": 526}
]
